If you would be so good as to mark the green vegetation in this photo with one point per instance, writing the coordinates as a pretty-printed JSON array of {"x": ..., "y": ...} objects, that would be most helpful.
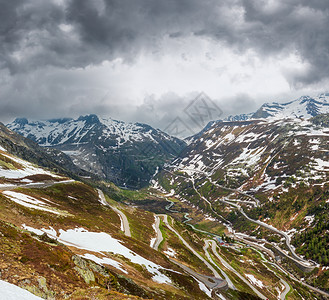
[
  {"x": 134, "y": 195},
  {"x": 8, "y": 164},
  {"x": 140, "y": 223},
  {"x": 164, "y": 234},
  {"x": 210, "y": 226},
  {"x": 321, "y": 120},
  {"x": 313, "y": 242}
]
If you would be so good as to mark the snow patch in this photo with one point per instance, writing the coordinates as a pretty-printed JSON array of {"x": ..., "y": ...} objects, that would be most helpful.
[
  {"x": 10, "y": 291},
  {"x": 321, "y": 165},
  {"x": 309, "y": 219},
  {"x": 170, "y": 252},
  {"x": 105, "y": 261},
  {"x": 29, "y": 201},
  {"x": 103, "y": 242},
  {"x": 26, "y": 169},
  {"x": 254, "y": 280}
]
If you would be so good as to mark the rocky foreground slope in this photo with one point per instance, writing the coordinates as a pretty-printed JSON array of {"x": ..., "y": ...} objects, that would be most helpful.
[{"x": 61, "y": 238}]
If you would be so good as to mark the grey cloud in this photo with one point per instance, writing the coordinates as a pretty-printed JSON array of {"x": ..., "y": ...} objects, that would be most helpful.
[
  {"x": 30, "y": 36},
  {"x": 299, "y": 26},
  {"x": 162, "y": 111}
]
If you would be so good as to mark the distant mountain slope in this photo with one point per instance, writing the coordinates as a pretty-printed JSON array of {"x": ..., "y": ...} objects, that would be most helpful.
[
  {"x": 303, "y": 107},
  {"x": 124, "y": 153},
  {"x": 26, "y": 149},
  {"x": 259, "y": 154},
  {"x": 278, "y": 169}
]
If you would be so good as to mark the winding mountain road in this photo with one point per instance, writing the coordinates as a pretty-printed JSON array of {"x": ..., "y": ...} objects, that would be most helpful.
[
  {"x": 302, "y": 262},
  {"x": 287, "y": 238},
  {"x": 229, "y": 267},
  {"x": 255, "y": 201},
  {"x": 210, "y": 282},
  {"x": 205, "y": 249},
  {"x": 210, "y": 267},
  {"x": 124, "y": 221},
  {"x": 159, "y": 237},
  {"x": 286, "y": 290},
  {"x": 216, "y": 282}
]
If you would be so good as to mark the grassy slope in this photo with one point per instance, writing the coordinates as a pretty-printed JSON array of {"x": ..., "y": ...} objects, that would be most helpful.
[{"x": 81, "y": 203}]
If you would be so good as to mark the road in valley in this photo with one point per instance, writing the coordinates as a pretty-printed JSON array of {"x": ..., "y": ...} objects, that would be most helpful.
[
  {"x": 124, "y": 221},
  {"x": 205, "y": 249},
  {"x": 216, "y": 274},
  {"x": 159, "y": 237},
  {"x": 256, "y": 203},
  {"x": 229, "y": 267},
  {"x": 286, "y": 290},
  {"x": 287, "y": 238},
  {"x": 207, "y": 280},
  {"x": 303, "y": 262},
  {"x": 291, "y": 276},
  {"x": 296, "y": 258}
]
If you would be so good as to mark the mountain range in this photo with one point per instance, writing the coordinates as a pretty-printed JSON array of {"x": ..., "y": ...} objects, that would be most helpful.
[
  {"x": 128, "y": 154},
  {"x": 124, "y": 153},
  {"x": 254, "y": 186}
]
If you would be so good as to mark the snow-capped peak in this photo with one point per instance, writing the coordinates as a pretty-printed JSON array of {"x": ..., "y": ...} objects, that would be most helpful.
[
  {"x": 304, "y": 107},
  {"x": 125, "y": 153},
  {"x": 80, "y": 130}
]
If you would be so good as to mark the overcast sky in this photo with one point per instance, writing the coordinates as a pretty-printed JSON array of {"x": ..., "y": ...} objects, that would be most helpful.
[{"x": 146, "y": 60}]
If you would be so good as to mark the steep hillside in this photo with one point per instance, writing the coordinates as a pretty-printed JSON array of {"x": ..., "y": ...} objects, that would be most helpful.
[
  {"x": 256, "y": 153},
  {"x": 62, "y": 239},
  {"x": 49, "y": 158},
  {"x": 124, "y": 153},
  {"x": 268, "y": 180}
]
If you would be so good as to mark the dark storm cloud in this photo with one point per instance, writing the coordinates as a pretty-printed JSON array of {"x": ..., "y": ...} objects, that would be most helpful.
[
  {"x": 299, "y": 26},
  {"x": 28, "y": 30},
  {"x": 31, "y": 36},
  {"x": 285, "y": 26}
]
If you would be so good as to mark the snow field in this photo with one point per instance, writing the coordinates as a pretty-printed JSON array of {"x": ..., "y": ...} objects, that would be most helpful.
[{"x": 101, "y": 242}]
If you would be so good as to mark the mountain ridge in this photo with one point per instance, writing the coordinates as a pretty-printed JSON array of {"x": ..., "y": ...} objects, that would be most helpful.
[
  {"x": 127, "y": 154},
  {"x": 46, "y": 157},
  {"x": 274, "y": 172},
  {"x": 302, "y": 107}
]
